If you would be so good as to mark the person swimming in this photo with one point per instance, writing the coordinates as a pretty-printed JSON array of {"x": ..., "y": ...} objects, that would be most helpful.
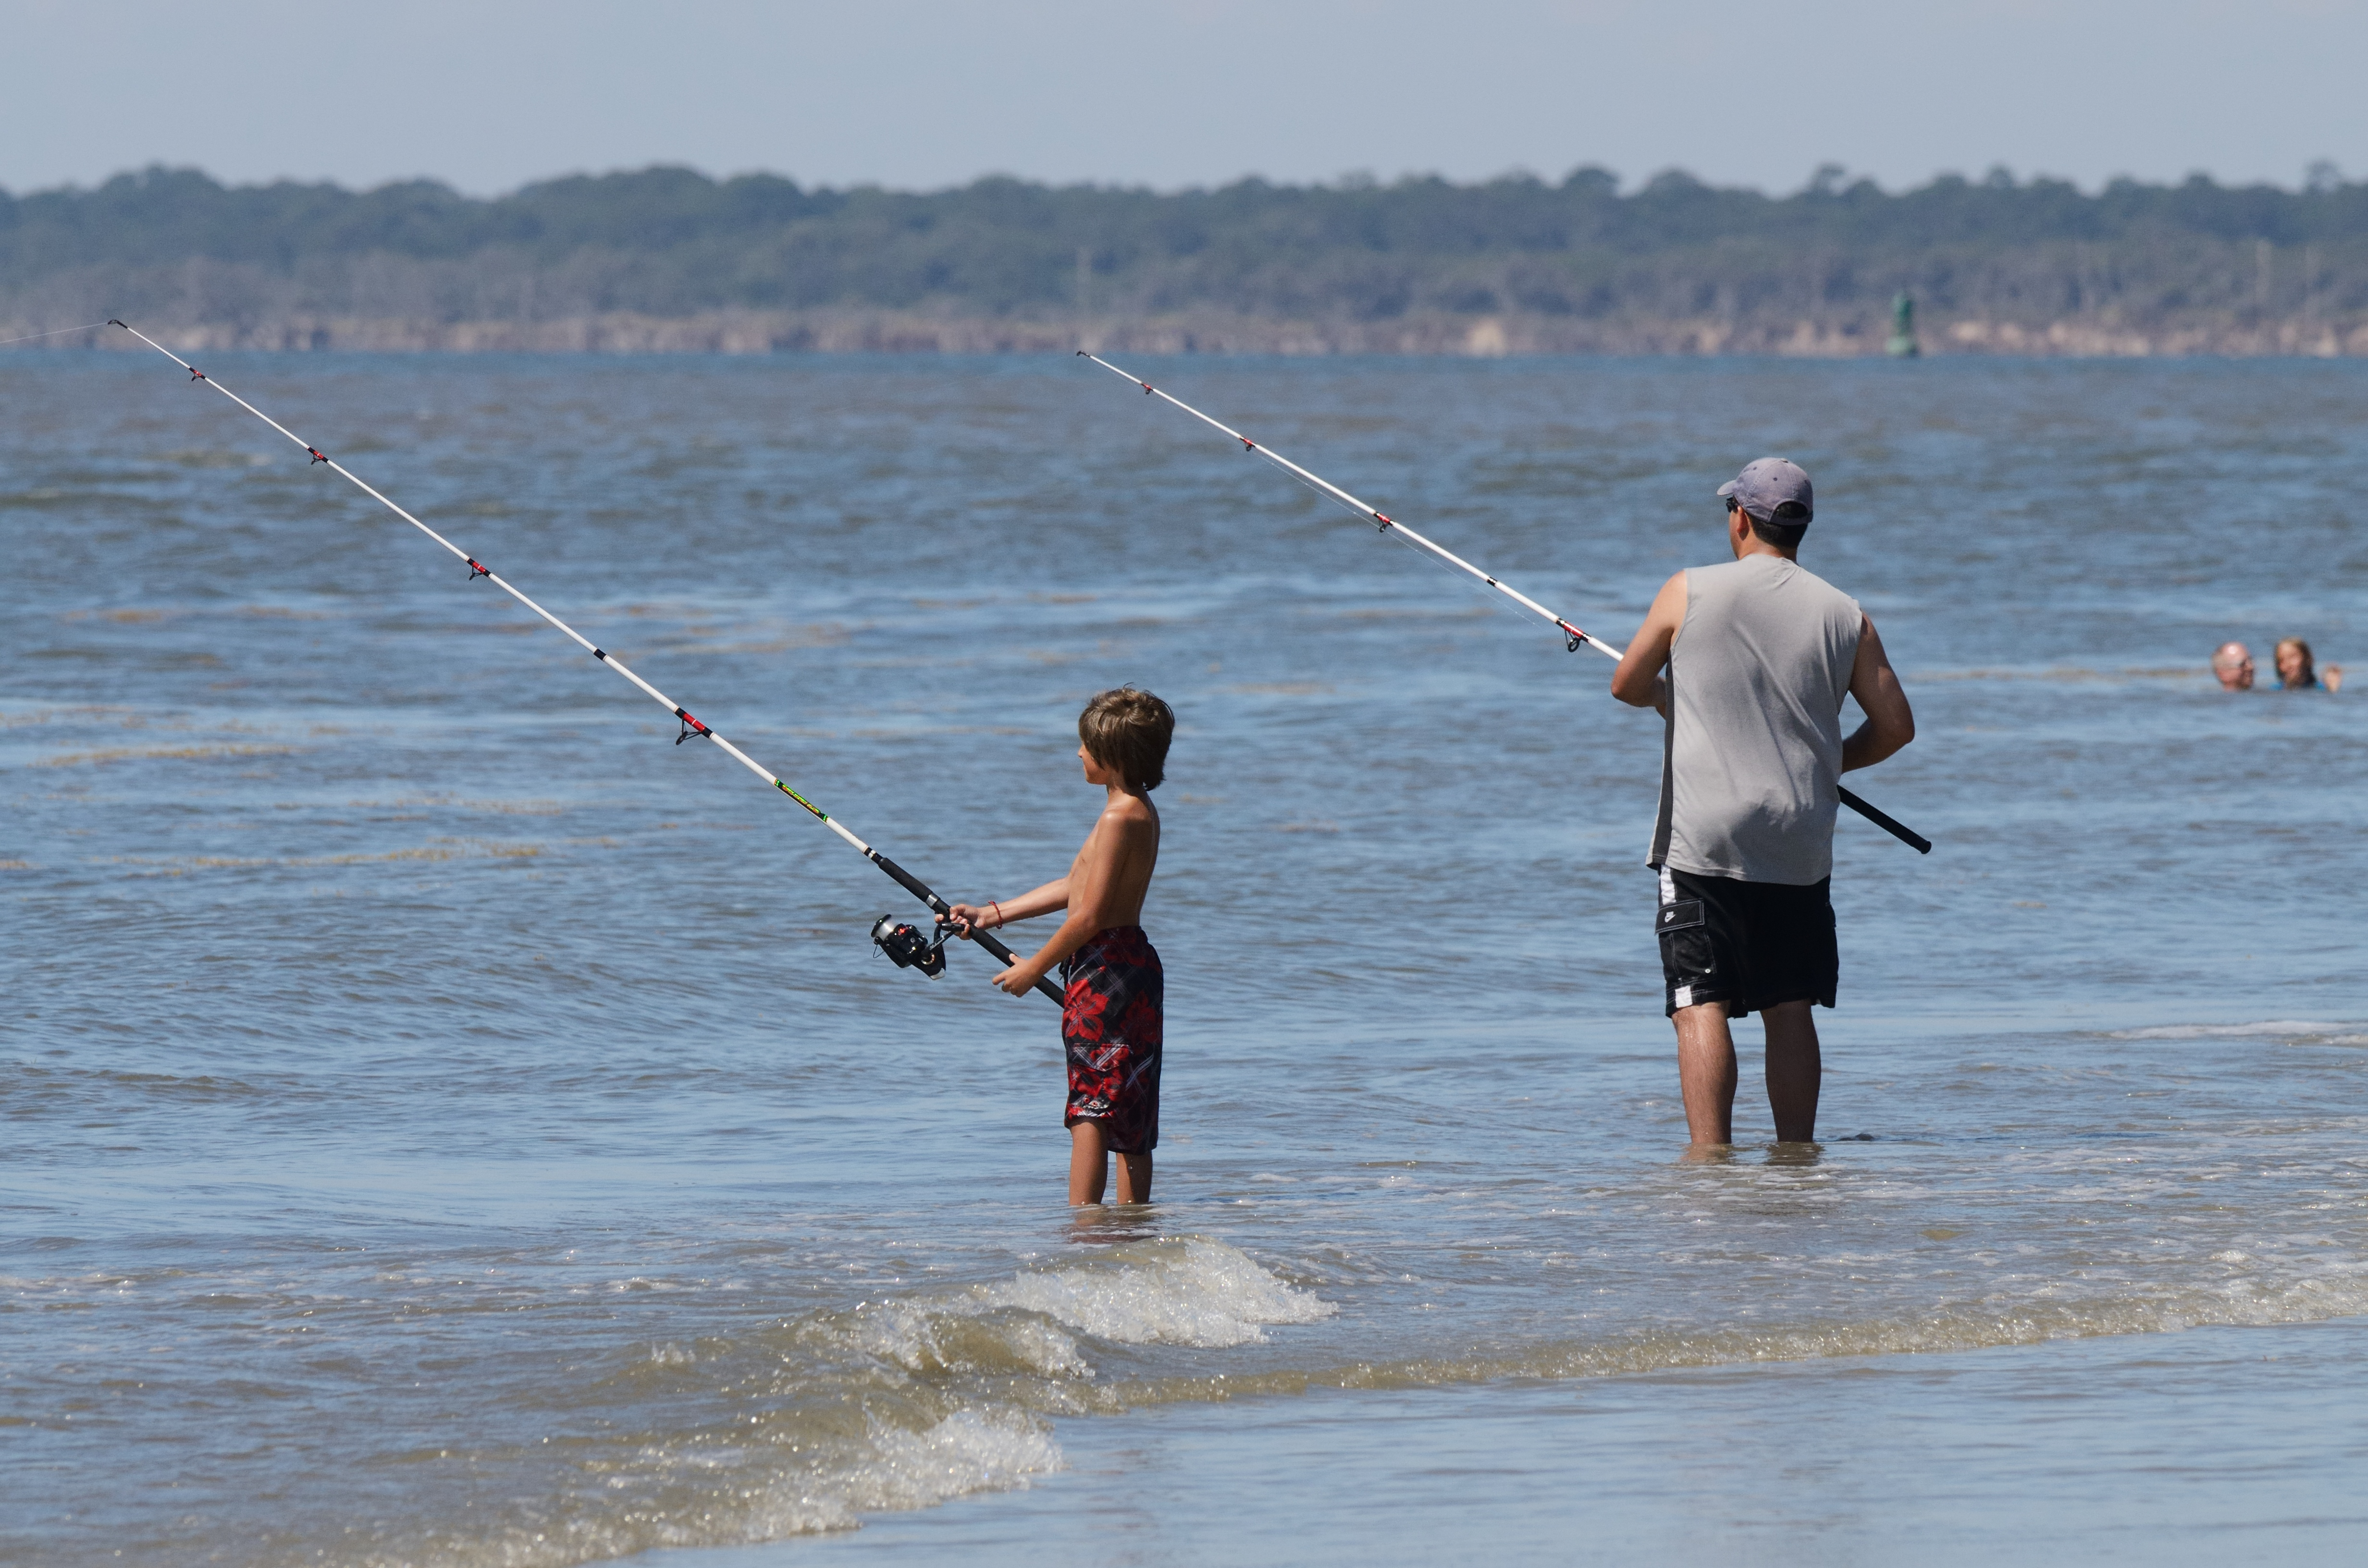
[
  {"x": 2232, "y": 664},
  {"x": 2296, "y": 669}
]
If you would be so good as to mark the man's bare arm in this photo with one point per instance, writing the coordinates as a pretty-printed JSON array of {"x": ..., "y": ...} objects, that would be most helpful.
[
  {"x": 1890, "y": 723},
  {"x": 1637, "y": 682}
]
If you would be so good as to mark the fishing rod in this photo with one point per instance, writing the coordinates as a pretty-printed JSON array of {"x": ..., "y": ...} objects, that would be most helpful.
[
  {"x": 900, "y": 940},
  {"x": 1574, "y": 639}
]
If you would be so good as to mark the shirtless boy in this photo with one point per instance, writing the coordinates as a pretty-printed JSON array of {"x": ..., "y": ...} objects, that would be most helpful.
[{"x": 1112, "y": 1024}]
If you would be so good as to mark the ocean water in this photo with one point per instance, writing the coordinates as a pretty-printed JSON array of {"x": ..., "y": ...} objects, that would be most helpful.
[{"x": 448, "y": 1122}]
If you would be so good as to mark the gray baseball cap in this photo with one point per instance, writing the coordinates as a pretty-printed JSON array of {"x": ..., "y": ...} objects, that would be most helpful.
[{"x": 1766, "y": 483}]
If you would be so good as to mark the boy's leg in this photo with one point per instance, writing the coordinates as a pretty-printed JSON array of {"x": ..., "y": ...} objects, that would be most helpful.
[
  {"x": 1090, "y": 1165},
  {"x": 1135, "y": 1178},
  {"x": 1706, "y": 1072},
  {"x": 1794, "y": 1069}
]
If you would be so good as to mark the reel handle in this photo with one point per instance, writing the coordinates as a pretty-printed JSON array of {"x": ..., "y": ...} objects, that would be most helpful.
[{"x": 920, "y": 890}]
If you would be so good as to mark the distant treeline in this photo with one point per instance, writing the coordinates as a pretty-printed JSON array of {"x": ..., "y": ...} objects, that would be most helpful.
[{"x": 669, "y": 258}]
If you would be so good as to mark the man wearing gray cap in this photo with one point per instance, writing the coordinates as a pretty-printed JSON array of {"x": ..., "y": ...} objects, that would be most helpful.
[{"x": 1748, "y": 662}]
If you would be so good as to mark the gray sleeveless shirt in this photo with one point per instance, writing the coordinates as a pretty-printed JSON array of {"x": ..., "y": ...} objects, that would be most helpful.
[{"x": 1753, "y": 759}]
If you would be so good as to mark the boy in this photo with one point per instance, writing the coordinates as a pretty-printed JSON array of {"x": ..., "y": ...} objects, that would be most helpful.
[{"x": 1110, "y": 1025}]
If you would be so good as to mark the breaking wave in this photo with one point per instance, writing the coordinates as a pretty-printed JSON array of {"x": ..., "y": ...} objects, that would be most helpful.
[{"x": 901, "y": 1402}]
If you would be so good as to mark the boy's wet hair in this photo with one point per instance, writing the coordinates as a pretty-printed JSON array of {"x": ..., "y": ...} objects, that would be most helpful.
[{"x": 1128, "y": 731}]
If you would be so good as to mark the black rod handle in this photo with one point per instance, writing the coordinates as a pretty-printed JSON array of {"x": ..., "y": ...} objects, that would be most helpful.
[
  {"x": 1044, "y": 983},
  {"x": 1890, "y": 824},
  {"x": 909, "y": 882}
]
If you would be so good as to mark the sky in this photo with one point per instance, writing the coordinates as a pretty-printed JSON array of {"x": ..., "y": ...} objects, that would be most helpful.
[{"x": 924, "y": 94}]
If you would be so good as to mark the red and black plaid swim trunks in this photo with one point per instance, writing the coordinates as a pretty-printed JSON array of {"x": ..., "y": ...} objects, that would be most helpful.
[{"x": 1111, "y": 1028}]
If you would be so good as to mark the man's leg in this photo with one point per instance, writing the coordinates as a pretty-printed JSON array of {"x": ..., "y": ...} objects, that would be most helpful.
[
  {"x": 1794, "y": 1070},
  {"x": 1706, "y": 1072},
  {"x": 1134, "y": 1178},
  {"x": 1089, "y": 1164}
]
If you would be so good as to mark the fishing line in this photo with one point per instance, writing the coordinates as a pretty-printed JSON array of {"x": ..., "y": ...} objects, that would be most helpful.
[
  {"x": 901, "y": 942},
  {"x": 1487, "y": 606},
  {"x": 1573, "y": 637},
  {"x": 58, "y": 332},
  {"x": 1394, "y": 535}
]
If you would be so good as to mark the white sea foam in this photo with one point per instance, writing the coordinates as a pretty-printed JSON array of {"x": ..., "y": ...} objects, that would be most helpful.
[
  {"x": 892, "y": 1469},
  {"x": 968, "y": 1451},
  {"x": 1196, "y": 1292},
  {"x": 946, "y": 1335},
  {"x": 1191, "y": 1292}
]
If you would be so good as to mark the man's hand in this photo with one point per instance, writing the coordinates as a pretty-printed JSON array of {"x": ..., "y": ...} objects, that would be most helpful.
[{"x": 1018, "y": 979}]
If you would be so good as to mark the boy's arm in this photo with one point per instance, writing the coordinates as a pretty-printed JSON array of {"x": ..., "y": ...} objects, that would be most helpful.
[
  {"x": 987, "y": 916},
  {"x": 1089, "y": 885}
]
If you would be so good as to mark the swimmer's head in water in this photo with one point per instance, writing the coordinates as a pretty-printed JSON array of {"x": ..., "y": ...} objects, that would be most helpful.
[
  {"x": 2296, "y": 669},
  {"x": 2233, "y": 663}
]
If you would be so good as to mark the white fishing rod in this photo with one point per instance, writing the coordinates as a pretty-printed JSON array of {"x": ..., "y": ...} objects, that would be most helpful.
[
  {"x": 902, "y": 943},
  {"x": 1572, "y": 637}
]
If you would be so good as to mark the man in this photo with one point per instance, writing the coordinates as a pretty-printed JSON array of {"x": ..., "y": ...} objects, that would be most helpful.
[
  {"x": 2233, "y": 664},
  {"x": 1758, "y": 656}
]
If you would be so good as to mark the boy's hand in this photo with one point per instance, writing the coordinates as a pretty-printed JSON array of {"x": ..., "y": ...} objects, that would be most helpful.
[
  {"x": 962, "y": 917},
  {"x": 1018, "y": 979}
]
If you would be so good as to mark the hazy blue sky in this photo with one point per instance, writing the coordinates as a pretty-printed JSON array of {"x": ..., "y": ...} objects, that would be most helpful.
[{"x": 921, "y": 93}]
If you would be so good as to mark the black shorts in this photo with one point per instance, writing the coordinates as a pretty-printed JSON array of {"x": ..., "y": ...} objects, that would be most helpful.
[{"x": 1749, "y": 945}]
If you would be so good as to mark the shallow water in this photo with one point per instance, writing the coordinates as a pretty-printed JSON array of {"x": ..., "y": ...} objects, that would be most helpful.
[
  {"x": 449, "y": 1122},
  {"x": 2178, "y": 1449}
]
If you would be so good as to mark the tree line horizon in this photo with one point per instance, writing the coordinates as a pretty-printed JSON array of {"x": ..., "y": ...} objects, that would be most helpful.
[{"x": 670, "y": 242}]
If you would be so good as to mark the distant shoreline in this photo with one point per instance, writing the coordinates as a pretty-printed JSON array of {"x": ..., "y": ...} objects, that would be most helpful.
[
  {"x": 1490, "y": 336},
  {"x": 668, "y": 260}
]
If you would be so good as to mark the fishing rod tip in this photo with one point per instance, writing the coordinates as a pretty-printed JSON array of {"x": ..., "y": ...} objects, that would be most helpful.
[{"x": 124, "y": 324}]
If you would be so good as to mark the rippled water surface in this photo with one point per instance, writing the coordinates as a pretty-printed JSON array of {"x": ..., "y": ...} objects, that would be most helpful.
[{"x": 449, "y": 1122}]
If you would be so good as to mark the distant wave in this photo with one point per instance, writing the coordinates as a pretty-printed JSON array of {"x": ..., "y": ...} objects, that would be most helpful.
[{"x": 2326, "y": 1032}]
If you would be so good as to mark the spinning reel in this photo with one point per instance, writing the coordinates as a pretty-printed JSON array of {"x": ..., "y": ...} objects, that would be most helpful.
[{"x": 906, "y": 948}]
